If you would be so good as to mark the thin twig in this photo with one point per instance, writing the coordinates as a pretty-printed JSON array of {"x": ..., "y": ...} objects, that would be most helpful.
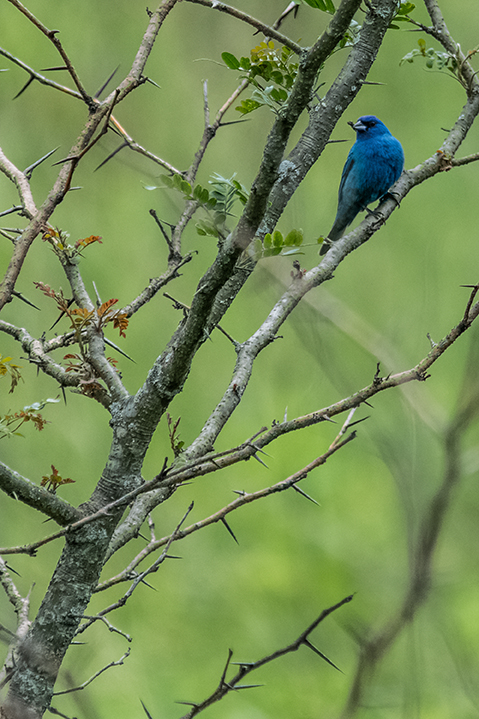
[
  {"x": 245, "y": 668},
  {"x": 118, "y": 663}
]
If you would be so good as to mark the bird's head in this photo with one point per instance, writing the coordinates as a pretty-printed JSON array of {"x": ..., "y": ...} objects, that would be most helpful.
[{"x": 369, "y": 125}]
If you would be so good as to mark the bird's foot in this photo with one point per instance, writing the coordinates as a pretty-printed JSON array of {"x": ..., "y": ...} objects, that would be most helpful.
[
  {"x": 327, "y": 244},
  {"x": 392, "y": 196}
]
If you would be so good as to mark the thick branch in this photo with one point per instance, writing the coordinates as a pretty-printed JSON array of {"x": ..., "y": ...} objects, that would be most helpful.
[{"x": 23, "y": 490}]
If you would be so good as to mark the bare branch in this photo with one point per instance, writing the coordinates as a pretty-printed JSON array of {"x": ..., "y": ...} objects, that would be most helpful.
[
  {"x": 373, "y": 648},
  {"x": 233, "y": 684},
  {"x": 51, "y": 35},
  {"x": 139, "y": 578},
  {"x": 244, "y": 499},
  {"x": 39, "y": 77},
  {"x": 118, "y": 663},
  {"x": 267, "y": 30}
]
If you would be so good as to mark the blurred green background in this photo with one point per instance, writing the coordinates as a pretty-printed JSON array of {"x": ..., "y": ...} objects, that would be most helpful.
[{"x": 294, "y": 558}]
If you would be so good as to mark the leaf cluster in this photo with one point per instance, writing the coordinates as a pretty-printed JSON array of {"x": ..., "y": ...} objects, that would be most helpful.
[
  {"x": 81, "y": 317},
  {"x": 11, "y": 423},
  {"x": 52, "y": 481},
  {"x": 277, "y": 65},
  {"x": 217, "y": 202},
  {"x": 7, "y": 366},
  {"x": 402, "y": 14},
  {"x": 276, "y": 244},
  {"x": 434, "y": 58},
  {"x": 175, "y": 442}
]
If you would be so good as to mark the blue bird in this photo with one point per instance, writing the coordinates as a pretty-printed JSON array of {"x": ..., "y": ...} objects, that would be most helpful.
[{"x": 374, "y": 163}]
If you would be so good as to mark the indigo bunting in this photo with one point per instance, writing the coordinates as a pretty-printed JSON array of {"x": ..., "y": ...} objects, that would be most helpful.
[{"x": 374, "y": 163}]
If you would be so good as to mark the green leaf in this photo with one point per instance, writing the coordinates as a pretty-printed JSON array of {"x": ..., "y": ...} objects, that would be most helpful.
[
  {"x": 248, "y": 106},
  {"x": 230, "y": 61},
  {"x": 405, "y": 8},
  {"x": 294, "y": 237},
  {"x": 278, "y": 239},
  {"x": 206, "y": 228},
  {"x": 317, "y": 4}
]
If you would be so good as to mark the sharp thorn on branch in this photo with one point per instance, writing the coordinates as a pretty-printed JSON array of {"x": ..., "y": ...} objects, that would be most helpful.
[
  {"x": 53, "y": 69},
  {"x": 323, "y": 656},
  {"x": 357, "y": 421},
  {"x": 148, "y": 585},
  {"x": 146, "y": 710},
  {"x": 29, "y": 82},
  {"x": 152, "y": 82},
  {"x": 233, "y": 122},
  {"x": 117, "y": 349},
  {"x": 255, "y": 456},
  {"x": 29, "y": 170},
  {"x": 303, "y": 493},
  {"x": 112, "y": 154},
  {"x": 97, "y": 94},
  {"x": 24, "y": 299},
  {"x": 229, "y": 529}
]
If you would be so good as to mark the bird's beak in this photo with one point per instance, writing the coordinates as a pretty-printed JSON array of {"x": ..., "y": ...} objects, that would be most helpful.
[{"x": 359, "y": 126}]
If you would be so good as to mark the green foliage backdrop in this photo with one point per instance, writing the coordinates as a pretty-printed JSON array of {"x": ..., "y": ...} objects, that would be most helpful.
[{"x": 294, "y": 558}]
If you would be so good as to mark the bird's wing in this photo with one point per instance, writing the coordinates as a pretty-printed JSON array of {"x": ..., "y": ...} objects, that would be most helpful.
[{"x": 348, "y": 166}]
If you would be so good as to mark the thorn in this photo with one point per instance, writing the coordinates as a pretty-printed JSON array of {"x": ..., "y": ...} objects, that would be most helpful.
[
  {"x": 146, "y": 710},
  {"x": 188, "y": 704},
  {"x": 69, "y": 304},
  {"x": 233, "y": 122},
  {"x": 11, "y": 569},
  {"x": 229, "y": 529},
  {"x": 152, "y": 82},
  {"x": 357, "y": 421},
  {"x": 97, "y": 95},
  {"x": 368, "y": 403},
  {"x": 29, "y": 82},
  {"x": 285, "y": 417},
  {"x": 259, "y": 460},
  {"x": 112, "y": 154},
  {"x": 241, "y": 492},
  {"x": 323, "y": 656},
  {"x": 246, "y": 686},
  {"x": 117, "y": 349},
  {"x": 24, "y": 299},
  {"x": 29, "y": 170},
  {"x": 301, "y": 491},
  {"x": 148, "y": 585},
  {"x": 53, "y": 69}
]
